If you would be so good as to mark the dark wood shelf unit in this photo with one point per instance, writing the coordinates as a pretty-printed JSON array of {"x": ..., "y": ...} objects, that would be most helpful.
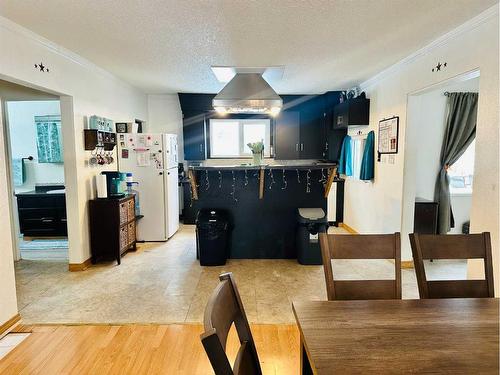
[
  {"x": 98, "y": 138},
  {"x": 112, "y": 228},
  {"x": 425, "y": 220}
]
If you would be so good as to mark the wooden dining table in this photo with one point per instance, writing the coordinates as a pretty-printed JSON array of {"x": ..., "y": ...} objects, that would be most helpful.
[{"x": 426, "y": 336}]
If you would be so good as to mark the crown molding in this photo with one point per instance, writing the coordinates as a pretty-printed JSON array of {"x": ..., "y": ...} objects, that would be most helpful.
[
  {"x": 59, "y": 50},
  {"x": 453, "y": 34}
]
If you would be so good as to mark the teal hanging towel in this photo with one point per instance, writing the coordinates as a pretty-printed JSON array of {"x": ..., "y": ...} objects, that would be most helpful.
[
  {"x": 367, "y": 164},
  {"x": 345, "y": 161}
]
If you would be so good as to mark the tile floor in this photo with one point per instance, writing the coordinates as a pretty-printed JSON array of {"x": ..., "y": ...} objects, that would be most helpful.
[
  {"x": 164, "y": 283},
  {"x": 44, "y": 249}
]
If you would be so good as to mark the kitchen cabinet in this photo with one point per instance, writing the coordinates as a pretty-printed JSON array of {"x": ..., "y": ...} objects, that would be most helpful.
[
  {"x": 352, "y": 112},
  {"x": 287, "y": 139},
  {"x": 335, "y": 139},
  {"x": 300, "y": 135},
  {"x": 194, "y": 136},
  {"x": 42, "y": 214},
  {"x": 313, "y": 138}
]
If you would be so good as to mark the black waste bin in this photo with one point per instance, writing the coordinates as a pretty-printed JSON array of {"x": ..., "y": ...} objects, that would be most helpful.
[
  {"x": 212, "y": 235},
  {"x": 311, "y": 221}
]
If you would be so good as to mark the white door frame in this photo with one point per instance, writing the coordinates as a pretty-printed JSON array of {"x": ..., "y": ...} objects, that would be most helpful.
[{"x": 67, "y": 120}]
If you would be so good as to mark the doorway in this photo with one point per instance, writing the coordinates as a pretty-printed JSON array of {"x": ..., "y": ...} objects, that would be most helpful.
[
  {"x": 425, "y": 131},
  {"x": 34, "y": 147}
]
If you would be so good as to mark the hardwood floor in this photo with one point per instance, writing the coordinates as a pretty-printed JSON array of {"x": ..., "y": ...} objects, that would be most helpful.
[{"x": 140, "y": 349}]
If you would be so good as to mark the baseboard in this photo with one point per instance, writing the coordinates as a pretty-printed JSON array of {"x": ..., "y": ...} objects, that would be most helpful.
[
  {"x": 9, "y": 324},
  {"x": 76, "y": 267},
  {"x": 348, "y": 228},
  {"x": 407, "y": 264}
]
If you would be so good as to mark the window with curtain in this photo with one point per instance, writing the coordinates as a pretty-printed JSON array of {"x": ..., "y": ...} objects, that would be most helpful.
[
  {"x": 461, "y": 173},
  {"x": 229, "y": 137},
  {"x": 358, "y": 147}
]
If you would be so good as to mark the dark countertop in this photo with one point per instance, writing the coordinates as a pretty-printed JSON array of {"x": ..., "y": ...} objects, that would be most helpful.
[
  {"x": 34, "y": 193},
  {"x": 266, "y": 166}
]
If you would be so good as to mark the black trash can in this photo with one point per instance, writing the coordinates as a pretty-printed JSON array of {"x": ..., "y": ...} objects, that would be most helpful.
[
  {"x": 212, "y": 237},
  {"x": 311, "y": 221}
]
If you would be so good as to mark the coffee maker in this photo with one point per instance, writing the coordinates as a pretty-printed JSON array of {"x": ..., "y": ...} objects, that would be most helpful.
[{"x": 115, "y": 183}]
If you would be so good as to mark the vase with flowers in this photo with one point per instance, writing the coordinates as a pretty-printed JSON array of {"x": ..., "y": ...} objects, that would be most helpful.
[{"x": 257, "y": 149}]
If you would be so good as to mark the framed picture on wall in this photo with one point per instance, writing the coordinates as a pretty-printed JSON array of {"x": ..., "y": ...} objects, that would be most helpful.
[{"x": 388, "y": 133}]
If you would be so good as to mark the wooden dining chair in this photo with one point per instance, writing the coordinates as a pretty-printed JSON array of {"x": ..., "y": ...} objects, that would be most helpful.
[
  {"x": 223, "y": 309},
  {"x": 361, "y": 246},
  {"x": 452, "y": 246}
]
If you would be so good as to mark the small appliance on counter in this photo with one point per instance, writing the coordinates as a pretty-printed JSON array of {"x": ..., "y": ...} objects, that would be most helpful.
[{"x": 115, "y": 184}]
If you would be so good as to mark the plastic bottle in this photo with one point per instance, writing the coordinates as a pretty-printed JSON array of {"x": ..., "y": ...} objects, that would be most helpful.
[{"x": 130, "y": 183}]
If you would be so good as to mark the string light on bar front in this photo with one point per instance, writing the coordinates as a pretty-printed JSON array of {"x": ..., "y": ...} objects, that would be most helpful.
[
  {"x": 207, "y": 182},
  {"x": 272, "y": 179},
  {"x": 323, "y": 177},
  {"x": 308, "y": 181},
  {"x": 233, "y": 188},
  {"x": 285, "y": 183}
]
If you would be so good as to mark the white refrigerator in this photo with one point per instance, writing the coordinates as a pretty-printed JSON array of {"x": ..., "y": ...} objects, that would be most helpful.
[{"x": 153, "y": 161}]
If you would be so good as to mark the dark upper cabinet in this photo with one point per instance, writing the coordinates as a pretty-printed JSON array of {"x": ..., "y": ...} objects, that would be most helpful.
[
  {"x": 351, "y": 112},
  {"x": 313, "y": 140},
  {"x": 300, "y": 131},
  {"x": 287, "y": 139},
  {"x": 335, "y": 139},
  {"x": 194, "y": 136},
  {"x": 299, "y": 136}
]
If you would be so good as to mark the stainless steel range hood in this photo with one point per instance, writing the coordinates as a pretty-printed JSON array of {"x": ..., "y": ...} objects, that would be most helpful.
[{"x": 247, "y": 93}]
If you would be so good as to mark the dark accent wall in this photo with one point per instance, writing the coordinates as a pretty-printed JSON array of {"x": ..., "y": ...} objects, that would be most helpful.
[{"x": 315, "y": 116}]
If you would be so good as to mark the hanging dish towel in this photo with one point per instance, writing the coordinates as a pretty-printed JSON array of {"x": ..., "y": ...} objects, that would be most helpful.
[
  {"x": 18, "y": 170},
  {"x": 367, "y": 164},
  {"x": 345, "y": 161}
]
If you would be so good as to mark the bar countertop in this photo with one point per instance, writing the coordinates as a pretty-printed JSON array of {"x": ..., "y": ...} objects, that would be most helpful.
[{"x": 241, "y": 167}]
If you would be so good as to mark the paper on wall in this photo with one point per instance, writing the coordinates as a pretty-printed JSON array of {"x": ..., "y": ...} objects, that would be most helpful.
[{"x": 143, "y": 158}]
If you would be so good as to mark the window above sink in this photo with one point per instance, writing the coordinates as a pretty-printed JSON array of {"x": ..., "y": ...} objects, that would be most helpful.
[{"x": 229, "y": 137}]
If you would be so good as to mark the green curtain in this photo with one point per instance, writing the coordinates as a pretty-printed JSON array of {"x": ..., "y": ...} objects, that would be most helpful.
[{"x": 460, "y": 132}]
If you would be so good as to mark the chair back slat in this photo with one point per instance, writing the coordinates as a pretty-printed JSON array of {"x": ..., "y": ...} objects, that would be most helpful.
[
  {"x": 224, "y": 309},
  {"x": 364, "y": 289},
  {"x": 458, "y": 288},
  {"x": 456, "y": 246},
  {"x": 366, "y": 246},
  {"x": 452, "y": 246},
  {"x": 361, "y": 246}
]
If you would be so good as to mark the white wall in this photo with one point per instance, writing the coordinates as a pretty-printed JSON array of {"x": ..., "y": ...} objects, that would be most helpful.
[
  {"x": 165, "y": 116},
  {"x": 22, "y": 136},
  {"x": 86, "y": 90},
  {"x": 8, "y": 299},
  {"x": 377, "y": 207}
]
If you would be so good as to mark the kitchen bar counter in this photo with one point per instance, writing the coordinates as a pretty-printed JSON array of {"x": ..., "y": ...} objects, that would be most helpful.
[
  {"x": 262, "y": 203},
  {"x": 242, "y": 167}
]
